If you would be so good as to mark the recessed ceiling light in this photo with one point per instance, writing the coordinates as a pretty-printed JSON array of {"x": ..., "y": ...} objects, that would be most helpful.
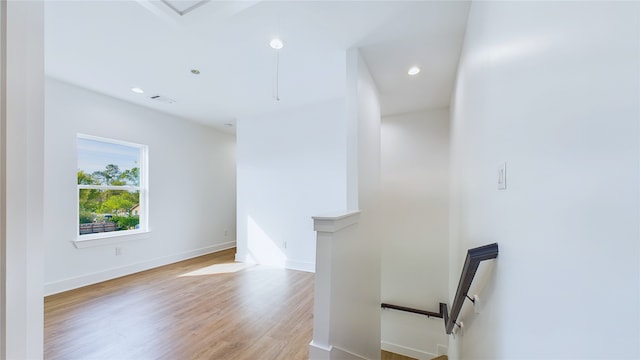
[
  {"x": 137, "y": 90},
  {"x": 276, "y": 44},
  {"x": 414, "y": 70},
  {"x": 195, "y": 71}
]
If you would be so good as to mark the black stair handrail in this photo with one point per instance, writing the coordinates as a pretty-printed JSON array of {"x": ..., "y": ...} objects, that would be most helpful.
[
  {"x": 474, "y": 257},
  {"x": 416, "y": 311}
]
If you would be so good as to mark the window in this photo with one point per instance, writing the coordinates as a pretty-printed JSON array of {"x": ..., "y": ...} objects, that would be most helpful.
[{"x": 111, "y": 187}]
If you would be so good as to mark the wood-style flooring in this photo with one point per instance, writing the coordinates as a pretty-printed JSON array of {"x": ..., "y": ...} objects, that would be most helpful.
[
  {"x": 386, "y": 355},
  {"x": 204, "y": 308}
]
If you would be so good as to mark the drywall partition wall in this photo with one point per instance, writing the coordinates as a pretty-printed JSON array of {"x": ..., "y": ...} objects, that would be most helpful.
[
  {"x": 363, "y": 159},
  {"x": 291, "y": 166},
  {"x": 363, "y": 131},
  {"x": 415, "y": 241},
  {"x": 550, "y": 88},
  {"x": 348, "y": 263},
  {"x": 21, "y": 192},
  {"x": 191, "y": 186}
]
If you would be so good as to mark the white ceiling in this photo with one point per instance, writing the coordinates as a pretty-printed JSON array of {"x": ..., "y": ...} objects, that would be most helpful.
[{"x": 112, "y": 46}]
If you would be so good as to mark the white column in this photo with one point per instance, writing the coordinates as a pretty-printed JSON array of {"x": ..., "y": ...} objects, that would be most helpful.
[{"x": 21, "y": 179}]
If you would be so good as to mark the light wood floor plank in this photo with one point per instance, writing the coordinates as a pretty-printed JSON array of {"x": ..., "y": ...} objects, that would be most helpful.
[
  {"x": 224, "y": 310},
  {"x": 386, "y": 355}
]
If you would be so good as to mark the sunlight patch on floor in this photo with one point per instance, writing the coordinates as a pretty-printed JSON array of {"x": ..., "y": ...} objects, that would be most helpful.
[{"x": 219, "y": 269}]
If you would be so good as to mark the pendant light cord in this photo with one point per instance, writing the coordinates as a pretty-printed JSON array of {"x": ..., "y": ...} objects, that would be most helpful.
[{"x": 277, "y": 75}]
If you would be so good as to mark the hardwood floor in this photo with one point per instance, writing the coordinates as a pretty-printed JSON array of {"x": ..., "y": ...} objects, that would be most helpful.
[
  {"x": 204, "y": 308},
  {"x": 386, "y": 355}
]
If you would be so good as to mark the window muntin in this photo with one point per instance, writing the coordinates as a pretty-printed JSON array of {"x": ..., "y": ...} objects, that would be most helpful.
[{"x": 111, "y": 187}]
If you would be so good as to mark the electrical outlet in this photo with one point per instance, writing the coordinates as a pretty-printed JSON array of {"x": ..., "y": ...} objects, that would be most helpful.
[
  {"x": 284, "y": 244},
  {"x": 118, "y": 251},
  {"x": 226, "y": 233}
]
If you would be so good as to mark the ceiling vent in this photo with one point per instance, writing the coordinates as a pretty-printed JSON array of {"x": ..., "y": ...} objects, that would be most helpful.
[
  {"x": 182, "y": 7},
  {"x": 162, "y": 99}
]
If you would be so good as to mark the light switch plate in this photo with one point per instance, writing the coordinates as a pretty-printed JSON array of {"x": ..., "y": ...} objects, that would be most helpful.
[{"x": 502, "y": 176}]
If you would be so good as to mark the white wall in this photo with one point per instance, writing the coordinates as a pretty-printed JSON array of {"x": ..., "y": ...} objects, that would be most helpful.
[
  {"x": 364, "y": 137},
  {"x": 291, "y": 166},
  {"x": 21, "y": 180},
  {"x": 415, "y": 242},
  {"x": 552, "y": 89},
  {"x": 191, "y": 186},
  {"x": 363, "y": 154}
]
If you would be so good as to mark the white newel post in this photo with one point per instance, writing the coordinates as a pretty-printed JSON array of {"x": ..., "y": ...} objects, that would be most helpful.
[{"x": 329, "y": 229}]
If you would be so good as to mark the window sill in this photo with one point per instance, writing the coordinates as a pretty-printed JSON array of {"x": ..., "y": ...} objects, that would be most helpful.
[{"x": 104, "y": 239}]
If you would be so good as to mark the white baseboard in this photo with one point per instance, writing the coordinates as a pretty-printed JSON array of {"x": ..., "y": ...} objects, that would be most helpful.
[
  {"x": 300, "y": 266},
  {"x": 288, "y": 264},
  {"x": 442, "y": 350},
  {"x": 341, "y": 354},
  {"x": 406, "y": 351},
  {"x": 100, "y": 276},
  {"x": 319, "y": 352}
]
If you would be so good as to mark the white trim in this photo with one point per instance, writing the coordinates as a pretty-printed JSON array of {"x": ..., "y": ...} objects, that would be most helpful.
[
  {"x": 300, "y": 266},
  {"x": 406, "y": 351},
  {"x": 342, "y": 354},
  {"x": 442, "y": 349},
  {"x": 288, "y": 264},
  {"x": 111, "y": 141},
  {"x": 93, "y": 278},
  {"x": 319, "y": 352},
  {"x": 110, "y": 187},
  {"x": 109, "y": 238},
  {"x": 143, "y": 214},
  {"x": 334, "y": 223}
]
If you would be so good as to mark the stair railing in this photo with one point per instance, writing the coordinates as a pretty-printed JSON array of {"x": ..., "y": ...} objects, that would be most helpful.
[
  {"x": 474, "y": 257},
  {"x": 416, "y": 311}
]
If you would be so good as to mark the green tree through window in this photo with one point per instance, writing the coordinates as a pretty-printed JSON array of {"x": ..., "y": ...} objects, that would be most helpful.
[{"x": 109, "y": 185}]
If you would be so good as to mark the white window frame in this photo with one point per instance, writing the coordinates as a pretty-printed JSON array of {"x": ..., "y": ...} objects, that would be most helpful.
[{"x": 112, "y": 237}]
